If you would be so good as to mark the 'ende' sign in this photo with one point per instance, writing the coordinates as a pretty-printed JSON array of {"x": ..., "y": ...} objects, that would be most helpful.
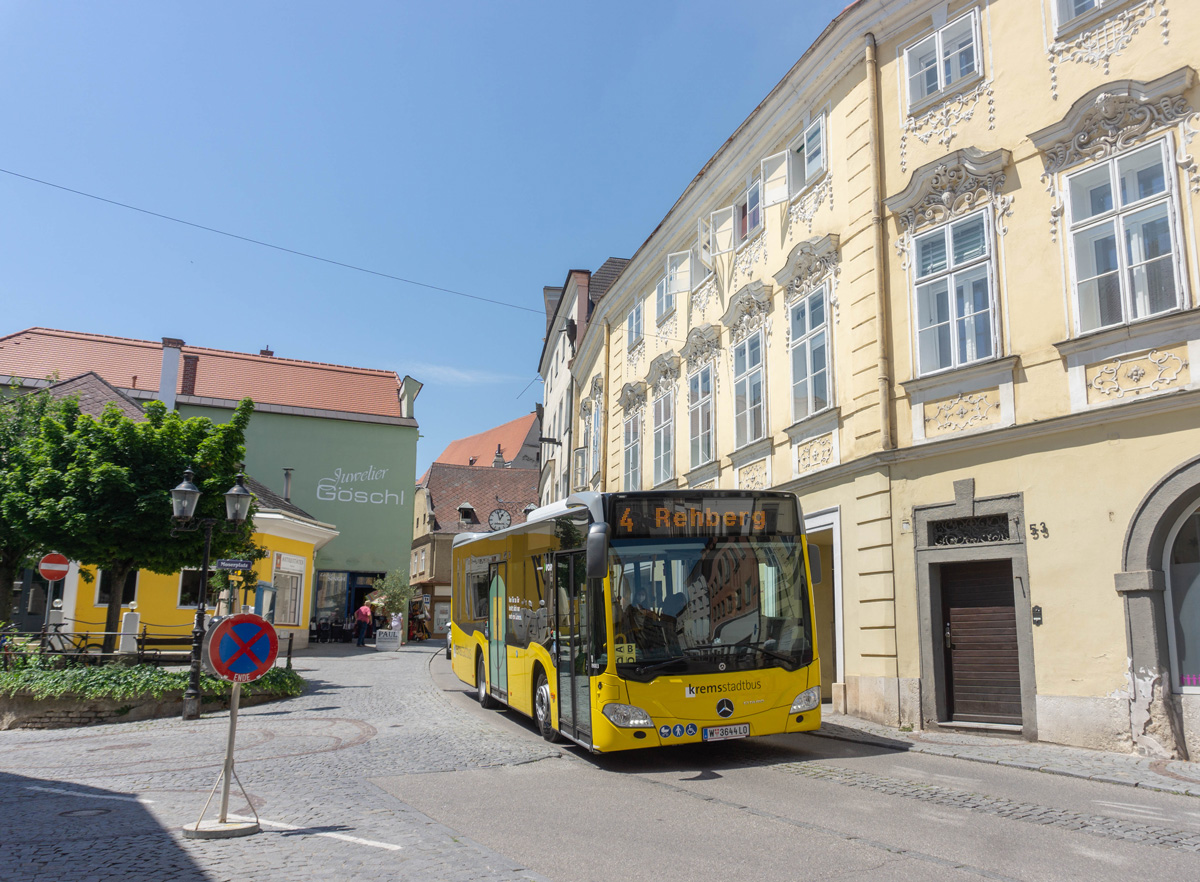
[{"x": 346, "y": 486}]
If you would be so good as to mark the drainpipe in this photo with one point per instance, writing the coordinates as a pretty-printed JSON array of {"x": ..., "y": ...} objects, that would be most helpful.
[
  {"x": 604, "y": 396},
  {"x": 879, "y": 255}
]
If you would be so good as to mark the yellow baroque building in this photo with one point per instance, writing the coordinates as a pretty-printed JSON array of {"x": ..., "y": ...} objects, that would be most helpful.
[{"x": 942, "y": 283}]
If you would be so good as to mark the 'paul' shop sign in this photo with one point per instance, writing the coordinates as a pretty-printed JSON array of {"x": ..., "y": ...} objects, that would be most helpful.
[{"x": 358, "y": 487}]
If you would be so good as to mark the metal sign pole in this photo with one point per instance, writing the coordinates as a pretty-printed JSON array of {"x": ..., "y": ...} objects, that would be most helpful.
[{"x": 228, "y": 773}]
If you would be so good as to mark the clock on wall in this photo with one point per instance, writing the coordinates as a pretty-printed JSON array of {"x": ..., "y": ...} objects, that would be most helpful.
[{"x": 499, "y": 519}]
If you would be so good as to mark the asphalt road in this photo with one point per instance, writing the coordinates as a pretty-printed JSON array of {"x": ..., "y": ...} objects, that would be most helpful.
[{"x": 799, "y": 806}]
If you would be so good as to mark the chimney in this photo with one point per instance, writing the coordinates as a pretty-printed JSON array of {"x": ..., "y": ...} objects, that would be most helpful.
[
  {"x": 188, "y": 387},
  {"x": 267, "y": 352},
  {"x": 287, "y": 484},
  {"x": 498, "y": 460},
  {"x": 168, "y": 377},
  {"x": 407, "y": 395}
]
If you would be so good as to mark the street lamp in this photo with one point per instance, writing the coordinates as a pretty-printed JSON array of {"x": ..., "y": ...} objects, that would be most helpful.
[{"x": 184, "y": 499}]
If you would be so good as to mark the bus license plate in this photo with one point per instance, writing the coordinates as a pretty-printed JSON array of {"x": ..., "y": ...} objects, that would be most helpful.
[{"x": 721, "y": 733}]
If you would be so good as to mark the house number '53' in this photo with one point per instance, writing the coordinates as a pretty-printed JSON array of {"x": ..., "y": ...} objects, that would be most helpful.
[{"x": 1039, "y": 530}]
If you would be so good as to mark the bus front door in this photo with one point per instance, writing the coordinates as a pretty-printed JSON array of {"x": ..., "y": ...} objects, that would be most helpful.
[
  {"x": 573, "y": 652},
  {"x": 497, "y": 638}
]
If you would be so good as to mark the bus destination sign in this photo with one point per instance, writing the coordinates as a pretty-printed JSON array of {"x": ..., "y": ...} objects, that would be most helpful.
[{"x": 734, "y": 515}]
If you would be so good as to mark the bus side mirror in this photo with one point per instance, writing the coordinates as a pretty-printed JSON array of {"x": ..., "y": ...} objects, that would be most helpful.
[
  {"x": 814, "y": 563},
  {"x": 597, "y": 551}
]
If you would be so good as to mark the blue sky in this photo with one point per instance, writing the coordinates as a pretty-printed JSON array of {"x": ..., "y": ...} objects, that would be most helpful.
[{"x": 481, "y": 147}]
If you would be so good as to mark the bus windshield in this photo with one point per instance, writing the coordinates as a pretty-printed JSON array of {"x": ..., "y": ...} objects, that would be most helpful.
[{"x": 708, "y": 605}]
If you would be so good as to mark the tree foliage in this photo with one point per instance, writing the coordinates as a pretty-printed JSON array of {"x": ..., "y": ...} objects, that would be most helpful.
[
  {"x": 393, "y": 593},
  {"x": 98, "y": 490},
  {"x": 20, "y": 421}
]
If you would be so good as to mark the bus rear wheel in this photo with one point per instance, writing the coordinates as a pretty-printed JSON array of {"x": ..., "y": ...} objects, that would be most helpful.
[
  {"x": 481, "y": 691},
  {"x": 541, "y": 709}
]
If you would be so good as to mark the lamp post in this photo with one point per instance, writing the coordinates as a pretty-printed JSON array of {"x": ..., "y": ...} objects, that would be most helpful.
[{"x": 183, "y": 503}]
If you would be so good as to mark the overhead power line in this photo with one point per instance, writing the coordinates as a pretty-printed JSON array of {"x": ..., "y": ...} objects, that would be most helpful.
[{"x": 252, "y": 241}]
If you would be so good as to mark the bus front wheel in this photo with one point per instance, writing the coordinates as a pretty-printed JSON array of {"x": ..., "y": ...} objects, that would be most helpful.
[
  {"x": 481, "y": 691},
  {"x": 541, "y": 709}
]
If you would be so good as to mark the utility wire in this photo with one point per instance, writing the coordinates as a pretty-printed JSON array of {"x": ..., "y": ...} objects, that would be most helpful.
[{"x": 316, "y": 257}]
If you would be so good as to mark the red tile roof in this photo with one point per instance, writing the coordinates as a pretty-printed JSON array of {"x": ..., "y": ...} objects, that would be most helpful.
[
  {"x": 135, "y": 364},
  {"x": 510, "y": 436},
  {"x": 484, "y": 488}
]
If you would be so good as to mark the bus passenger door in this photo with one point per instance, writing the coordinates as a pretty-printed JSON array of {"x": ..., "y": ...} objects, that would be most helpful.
[
  {"x": 573, "y": 659},
  {"x": 497, "y": 636}
]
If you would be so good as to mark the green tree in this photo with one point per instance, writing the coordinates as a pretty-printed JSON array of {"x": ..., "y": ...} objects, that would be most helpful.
[
  {"x": 99, "y": 490},
  {"x": 20, "y": 420},
  {"x": 393, "y": 593}
]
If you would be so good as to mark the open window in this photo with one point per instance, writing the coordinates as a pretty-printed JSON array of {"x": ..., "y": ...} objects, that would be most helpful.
[
  {"x": 664, "y": 300},
  {"x": 806, "y": 156},
  {"x": 748, "y": 212},
  {"x": 682, "y": 274},
  {"x": 721, "y": 231},
  {"x": 942, "y": 59}
]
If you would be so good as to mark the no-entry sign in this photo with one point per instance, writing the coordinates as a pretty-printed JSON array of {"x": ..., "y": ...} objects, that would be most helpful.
[
  {"x": 241, "y": 648},
  {"x": 53, "y": 567}
]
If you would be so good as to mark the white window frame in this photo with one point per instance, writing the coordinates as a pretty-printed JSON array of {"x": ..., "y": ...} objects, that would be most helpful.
[
  {"x": 940, "y": 60},
  {"x": 698, "y": 407},
  {"x": 632, "y": 473},
  {"x": 579, "y": 468},
  {"x": 137, "y": 583},
  {"x": 704, "y": 244},
  {"x": 743, "y": 417},
  {"x": 664, "y": 301},
  {"x": 1063, "y": 18},
  {"x": 751, "y": 196},
  {"x": 179, "y": 604},
  {"x": 274, "y": 616},
  {"x": 949, "y": 272},
  {"x": 597, "y": 426},
  {"x": 681, "y": 274},
  {"x": 806, "y": 340},
  {"x": 803, "y": 171},
  {"x": 1117, "y": 215},
  {"x": 721, "y": 231},
  {"x": 664, "y": 438},
  {"x": 633, "y": 326}
]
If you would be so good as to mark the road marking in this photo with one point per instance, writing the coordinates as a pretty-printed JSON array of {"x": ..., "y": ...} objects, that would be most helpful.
[
  {"x": 91, "y": 795},
  {"x": 342, "y": 836},
  {"x": 1134, "y": 809}
]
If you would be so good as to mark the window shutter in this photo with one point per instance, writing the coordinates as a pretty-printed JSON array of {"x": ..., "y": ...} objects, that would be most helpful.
[
  {"x": 679, "y": 272},
  {"x": 704, "y": 241},
  {"x": 775, "y": 178},
  {"x": 579, "y": 454},
  {"x": 721, "y": 222}
]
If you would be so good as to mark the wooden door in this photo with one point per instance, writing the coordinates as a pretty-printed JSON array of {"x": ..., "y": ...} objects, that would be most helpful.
[{"x": 983, "y": 673}]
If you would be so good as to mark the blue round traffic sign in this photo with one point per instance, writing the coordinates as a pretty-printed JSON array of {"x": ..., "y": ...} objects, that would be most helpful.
[{"x": 241, "y": 648}]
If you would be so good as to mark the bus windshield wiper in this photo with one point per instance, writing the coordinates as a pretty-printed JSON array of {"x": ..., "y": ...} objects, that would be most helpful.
[
  {"x": 645, "y": 669},
  {"x": 787, "y": 659}
]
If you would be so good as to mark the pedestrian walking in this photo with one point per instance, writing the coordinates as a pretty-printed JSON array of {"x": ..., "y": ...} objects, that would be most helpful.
[{"x": 363, "y": 616}]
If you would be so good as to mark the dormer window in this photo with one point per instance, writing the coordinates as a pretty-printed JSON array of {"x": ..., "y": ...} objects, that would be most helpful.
[{"x": 466, "y": 512}]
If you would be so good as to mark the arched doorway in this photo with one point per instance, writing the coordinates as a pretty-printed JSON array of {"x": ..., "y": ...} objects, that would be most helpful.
[{"x": 1162, "y": 615}]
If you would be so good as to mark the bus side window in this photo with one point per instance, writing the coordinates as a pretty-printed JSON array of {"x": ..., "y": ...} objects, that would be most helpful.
[{"x": 479, "y": 594}]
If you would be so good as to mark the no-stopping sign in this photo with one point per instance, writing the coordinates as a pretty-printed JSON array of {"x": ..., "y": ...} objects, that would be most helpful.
[{"x": 241, "y": 648}]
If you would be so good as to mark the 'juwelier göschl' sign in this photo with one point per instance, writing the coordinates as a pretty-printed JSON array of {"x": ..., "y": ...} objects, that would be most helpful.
[{"x": 359, "y": 487}]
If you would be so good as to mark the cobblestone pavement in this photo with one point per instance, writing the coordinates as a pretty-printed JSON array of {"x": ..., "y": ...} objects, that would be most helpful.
[
  {"x": 1170, "y": 776},
  {"x": 108, "y": 802}
]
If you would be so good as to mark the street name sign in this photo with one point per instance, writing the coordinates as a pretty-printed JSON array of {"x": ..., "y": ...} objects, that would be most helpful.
[
  {"x": 53, "y": 567},
  {"x": 231, "y": 564},
  {"x": 241, "y": 648}
]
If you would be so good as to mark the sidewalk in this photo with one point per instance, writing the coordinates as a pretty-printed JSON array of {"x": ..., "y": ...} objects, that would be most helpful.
[{"x": 1170, "y": 776}]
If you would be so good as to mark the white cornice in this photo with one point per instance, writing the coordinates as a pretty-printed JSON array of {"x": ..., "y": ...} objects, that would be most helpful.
[{"x": 286, "y": 526}]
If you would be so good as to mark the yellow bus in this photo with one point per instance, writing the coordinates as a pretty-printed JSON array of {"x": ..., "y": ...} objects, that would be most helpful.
[{"x": 625, "y": 620}]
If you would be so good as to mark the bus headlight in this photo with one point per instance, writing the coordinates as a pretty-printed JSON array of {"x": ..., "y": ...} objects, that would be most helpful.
[
  {"x": 806, "y": 700},
  {"x": 628, "y": 717}
]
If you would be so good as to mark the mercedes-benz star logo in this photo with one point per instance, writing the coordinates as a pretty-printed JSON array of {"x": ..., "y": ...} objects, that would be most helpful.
[{"x": 725, "y": 707}]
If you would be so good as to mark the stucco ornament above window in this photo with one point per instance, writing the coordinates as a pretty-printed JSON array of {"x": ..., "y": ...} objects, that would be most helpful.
[
  {"x": 1107, "y": 37},
  {"x": 704, "y": 294},
  {"x": 954, "y": 185},
  {"x": 749, "y": 309},
  {"x": 748, "y": 255},
  {"x": 597, "y": 388},
  {"x": 1112, "y": 118},
  {"x": 632, "y": 399},
  {"x": 809, "y": 265},
  {"x": 663, "y": 374},
  {"x": 940, "y": 124},
  {"x": 703, "y": 344}
]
